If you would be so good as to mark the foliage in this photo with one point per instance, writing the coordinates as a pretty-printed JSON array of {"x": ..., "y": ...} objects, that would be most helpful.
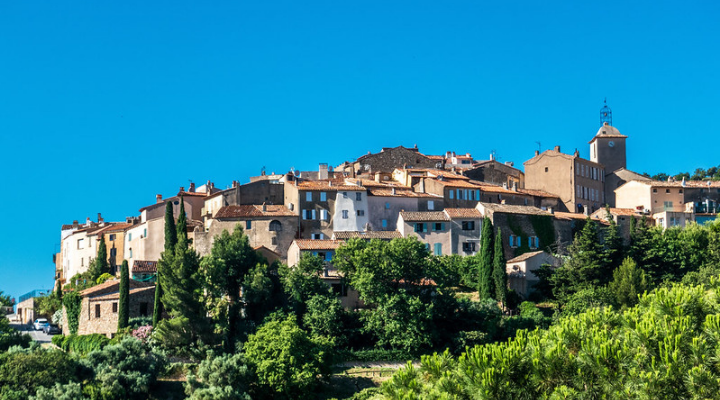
[
  {"x": 544, "y": 229},
  {"x": 104, "y": 278},
  {"x": 124, "y": 300},
  {"x": 5, "y": 300},
  {"x": 222, "y": 377},
  {"x": 376, "y": 354},
  {"x": 324, "y": 317},
  {"x": 592, "y": 297},
  {"x": 664, "y": 348},
  {"x": 67, "y": 391},
  {"x": 402, "y": 322},
  {"x": 124, "y": 371},
  {"x": 48, "y": 305},
  {"x": 612, "y": 254},
  {"x": 11, "y": 337},
  {"x": 72, "y": 302},
  {"x": 142, "y": 333},
  {"x": 163, "y": 263},
  {"x": 303, "y": 281},
  {"x": 499, "y": 273},
  {"x": 584, "y": 268},
  {"x": 287, "y": 362},
  {"x": 99, "y": 264},
  {"x": 629, "y": 281},
  {"x": 225, "y": 270},
  {"x": 81, "y": 344},
  {"x": 22, "y": 372},
  {"x": 486, "y": 260},
  {"x": 80, "y": 282}
]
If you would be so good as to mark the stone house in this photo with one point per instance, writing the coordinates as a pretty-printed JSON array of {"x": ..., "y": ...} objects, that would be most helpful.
[
  {"x": 623, "y": 218},
  {"x": 579, "y": 183},
  {"x": 520, "y": 270},
  {"x": 387, "y": 160},
  {"x": 496, "y": 173},
  {"x": 430, "y": 227},
  {"x": 273, "y": 227},
  {"x": 99, "y": 307},
  {"x": 465, "y": 228}
]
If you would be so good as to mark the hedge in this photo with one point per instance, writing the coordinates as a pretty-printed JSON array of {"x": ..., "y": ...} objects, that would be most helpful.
[{"x": 81, "y": 344}]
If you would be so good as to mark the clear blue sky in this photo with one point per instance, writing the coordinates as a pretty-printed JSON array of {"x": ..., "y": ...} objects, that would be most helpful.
[{"x": 104, "y": 105}]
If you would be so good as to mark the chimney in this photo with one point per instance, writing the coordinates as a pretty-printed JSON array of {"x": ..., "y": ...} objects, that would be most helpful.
[
  {"x": 158, "y": 198},
  {"x": 330, "y": 183},
  {"x": 537, "y": 152},
  {"x": 492, "y": 157},
  {"x": 557, "y": 148},
  {"x": 88, "y": 221},
  {"x": 75, "y": 224},
  {"x": 514, "y": 186},
  {"x": 577, "y": 153},
  {"x": 550, "y": 210},
  {"x": 502, "y": 201},
  {"x": 323, "y": 171},
  {"x": 100, "y": 218},
  {"x": 504, "y": 185},
  {"x": 264, "y": 207},
  {"x": 683, "y": 182},
  {"x": 182, "y": 189},
  {"x": 192, "y": 187},
  {"x": 510, "y": 163},
  {"x": 393, "y": 192}
]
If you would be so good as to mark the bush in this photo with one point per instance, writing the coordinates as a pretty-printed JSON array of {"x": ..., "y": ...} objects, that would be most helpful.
[
  {"x": 226, "y": 377},
  {"x": 137, "y": 322},
  {"x": 82, "y": 344},
  {"x": 22, "y": 372},
  {"x": 68, "y": 391},
  {"x": 376, "y": 355},
  {"x": 103, "y": 278}
]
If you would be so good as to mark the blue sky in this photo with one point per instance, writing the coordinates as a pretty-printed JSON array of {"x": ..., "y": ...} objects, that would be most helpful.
[{"x": 104, "y": 105}]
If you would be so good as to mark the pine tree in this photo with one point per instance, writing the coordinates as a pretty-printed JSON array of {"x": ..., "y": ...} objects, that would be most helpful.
[
  {"x": 584, "y": 267},
  {"x": 100, "y": 264},
  {"x": 612, "y": 249},
  {"x": 181, "y": 282},
  {"x": 124, "y": 302},
  {"x": 628, "y": 282},
  {"x": 487, "y": 287},
  {"x": 499, "y": 270},
  {"x": 170, "y": 242},
  {"x": 230, "y": 261}
]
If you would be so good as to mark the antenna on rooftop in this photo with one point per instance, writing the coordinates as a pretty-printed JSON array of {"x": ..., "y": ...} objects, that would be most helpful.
[
  {"x": 539, "y": 146},
  {"x": 262, "y": 171}
]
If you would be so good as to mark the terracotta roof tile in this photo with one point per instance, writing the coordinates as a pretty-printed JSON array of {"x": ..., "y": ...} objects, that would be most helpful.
[
  {"x": 144, "y": 267},
  {"x": 250, "y": 211},
  {"x": 401, "y": 193},
  {"x": 424, "y": 216},
  {"x": 524, "y": 256},
  {"x": 110, "y": 286},
  {"x": 538, "y": 193},
  {"x": 368, "y": 235},
  {"x": 329, "y": 185},
  {"x": 116, "y": 295},
  {"x": 314, "y": 244},
  {"x": 463, "y": 213}
]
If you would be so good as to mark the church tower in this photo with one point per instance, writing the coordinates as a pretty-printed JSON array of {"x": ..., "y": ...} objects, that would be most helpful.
[{"x": 608, "y": 145}]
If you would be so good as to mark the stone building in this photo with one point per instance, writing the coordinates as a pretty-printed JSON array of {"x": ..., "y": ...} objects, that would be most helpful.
[
  {"x": 623, "y": 218},
  {"x": 579, "y": 183},
  {"x": 387, "y": 160},
  {"x": 520, "y": 270},
  {"x": 465, "y": 224},
  {"x": 385, "y": 202},
  {"x": 99, "y": 307},
  {"x": 273, "y": 227},
  {"x": 496, "y": 173},
  {"x": 430, "y": 227}
]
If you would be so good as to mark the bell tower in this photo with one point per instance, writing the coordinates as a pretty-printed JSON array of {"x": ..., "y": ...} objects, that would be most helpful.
[{"x": 608, "y": 145}]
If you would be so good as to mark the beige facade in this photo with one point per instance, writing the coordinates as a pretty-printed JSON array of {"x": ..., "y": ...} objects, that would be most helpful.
[
  {"x": 520, "y": 271},
  {"x": 578, "y": 182},
  {"x": 431, "y": 227},
  {"x": 653, "y": 196},
  {"x": 608, "y": 148}
]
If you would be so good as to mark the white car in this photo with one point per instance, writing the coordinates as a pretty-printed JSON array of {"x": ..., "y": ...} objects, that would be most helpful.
[{"x": 40, "y": 323}]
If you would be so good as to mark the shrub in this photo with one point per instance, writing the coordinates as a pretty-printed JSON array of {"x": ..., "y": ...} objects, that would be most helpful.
[
  {"x": 226, "y": 377},
  {"x": 23, "y": 371},
  {"x": 103, "y": 278},
  {"x": 142, "y": 333},
  {"x": 68, "y": 391},
  {"x": 376, "y": 355},
  {"x": 83, "y": 344},
  {"x": 72, "y": 302}
]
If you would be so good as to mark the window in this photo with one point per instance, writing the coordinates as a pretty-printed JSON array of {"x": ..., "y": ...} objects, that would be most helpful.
[
  {"x": 384, "y": 223},
  {"x": 358, "y": 196},
  {"x": 248, "y": 224},
  {"x": 387, "y": 206},
  {"x": 438, "y": 249},
  {"x": 345, "y": 214},
  {"x": 145, "y": 232},
  {"x": 459, "y": 194},
  {"x": 274, "y": 240},
  {"x": 511, "y": 241},
  {"x": 667, "y": 190},
  {"x": 680, "y": 191},
  {"x": 668, "y": 204},
  {"x": 309, "y": 214},
  {"x": 468, "y": 247},
  {"x": 519, "y": 241},
  {"x": 452, "y": 194},
  {"x": 275, "y": 226},
  {"x": 317, "y": 236},
  {"x": 308, "y": 196},
  {"x": 477, "y": 195},
  {"x": 130, "y": 252},
  {"x": 324, "y": 215},
  {"x": 339, "y": 289},
  {"x": 534, "y": 242},
  {"x": 80, "y": 244},
  {"x": 438, "y": 226},
  {"x": 82, "y": 261},
  {"x": 654, "y": 190},
  {"x": 97, "y": 310},
  {"x": 111, "y": 237},
  {"x": 144, "y": 309},
  {"x": 420, "y": 227},
  {"x": 360, "y": 213},
  {"x": 129, "y": 236},
  {"x": 546, "y": 169},
  {"x": 323, "y": 196},
  {"x": 344, "y": 195},
  {"x": 115, "y": 307},
  {"x": 431, "y": 205},
  {"x": 468, "y": 225}
]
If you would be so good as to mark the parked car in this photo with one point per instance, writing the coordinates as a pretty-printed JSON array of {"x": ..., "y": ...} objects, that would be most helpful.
[
  {"x": 40, "y": 323},
  {"x": 52, "y": 329}
]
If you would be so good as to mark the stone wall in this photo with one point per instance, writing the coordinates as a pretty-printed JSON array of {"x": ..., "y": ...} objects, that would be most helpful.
[{"x": 106, "y": 324}]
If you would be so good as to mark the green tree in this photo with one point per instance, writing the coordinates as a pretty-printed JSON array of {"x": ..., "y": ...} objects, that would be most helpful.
[
  {"x": 72, "y": 302},
  {"x": 584, "y": 268},
  {"x": 500, "y": 278},
  {"x": 222, "y": 377},
  {"x": 170, "y": 242},
  {"x": 324, "y": 317},
  {"x": 487, "y": 287},
  {"x": 303, "y": 281},
  {"x": 628, "y": 282},
  {"x": 226, "y": 268},
  {"x": 287, "y": 362},
  {"x": 124, "y": 301},
  {"x": 402, "y": 322},
  {"x": 99, "y": 264},
  {"x": 612, "y": 246}
]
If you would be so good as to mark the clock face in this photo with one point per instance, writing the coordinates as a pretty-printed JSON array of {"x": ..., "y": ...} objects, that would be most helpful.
[{"x": 611, "y": 143}]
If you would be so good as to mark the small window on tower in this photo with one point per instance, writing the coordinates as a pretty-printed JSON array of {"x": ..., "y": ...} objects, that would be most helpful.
[{"x": 546, "y": 169}]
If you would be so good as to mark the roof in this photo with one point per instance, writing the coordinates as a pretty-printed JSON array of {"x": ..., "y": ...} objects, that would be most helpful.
[
  {"x": 513, "y": 209},
  {"x": 456, "y": 183},
  {"x": 619, "y": 211},
  {"x": 249, "y": 211},
  {"x": 555, "y": 153},
  {"x": 424, "y": 216},
  {"x": 140, "y": 266},
  {"x": 314, "y": 244},
  {"x": 491, "y": 188},
  {"x": 607, "y": 131},
  {"x": 578, "y": 216},
  {"x": 116, "y": 294},
  {"x": 110, "y": 286},
  {"x": 363, "y": 157},
  {"x": 329, "y": 185},
  {"x": 119, "y": 227},
  {"x": 525, "y": 256},
  {"x": 463, "y": 213},
  {"x": 388, "y": 192},
  {"x": 538, "y": 193},
  {"x": 676, "y": 184},
  {"x": 383, "y": 235}
]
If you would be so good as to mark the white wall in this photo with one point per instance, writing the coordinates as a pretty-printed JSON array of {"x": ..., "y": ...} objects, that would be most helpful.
[{"x": 347, "y": 201}]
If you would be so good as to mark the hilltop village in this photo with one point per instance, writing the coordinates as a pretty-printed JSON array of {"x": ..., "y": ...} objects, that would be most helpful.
[{"x": 399, "y": 192}]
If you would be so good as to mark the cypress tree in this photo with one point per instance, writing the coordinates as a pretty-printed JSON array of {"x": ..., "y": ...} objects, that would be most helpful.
[
  {"x": 487, "y": 287},
  {"x": 99, "y": 264},
  {"x": 499, "y": 271},
  {"x": 124, "y": 302},
  {"x": 170, "y": 242},
  {"x": 182, "y": 221},
  {"x": 58, "y": 292}
]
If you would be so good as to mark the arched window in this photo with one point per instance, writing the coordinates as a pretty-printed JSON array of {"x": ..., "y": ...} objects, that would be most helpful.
[{"x": 275, "y": 226}]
